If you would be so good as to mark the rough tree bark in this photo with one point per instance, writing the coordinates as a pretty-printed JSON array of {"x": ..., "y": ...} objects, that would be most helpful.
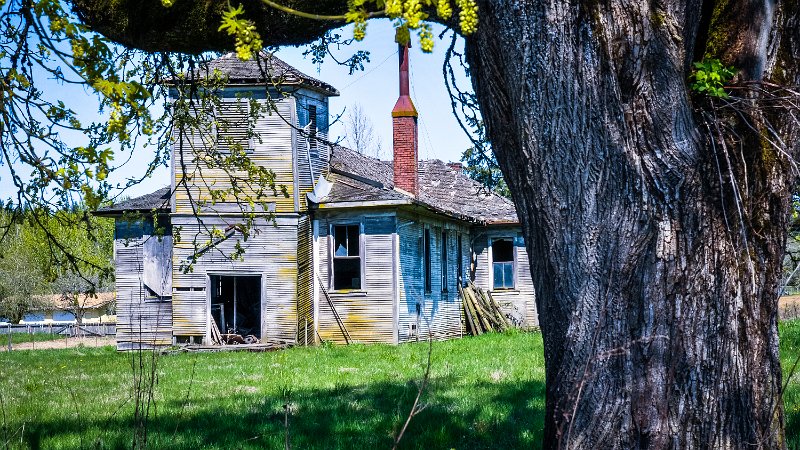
[
  {"x": 655, "y": 221},
  {"x": 655, "y": 245}
]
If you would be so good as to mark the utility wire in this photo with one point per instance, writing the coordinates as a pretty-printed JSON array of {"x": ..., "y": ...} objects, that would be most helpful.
[
  {"x": 422, "y": 122},
  {"x": 368, "y": 72}
]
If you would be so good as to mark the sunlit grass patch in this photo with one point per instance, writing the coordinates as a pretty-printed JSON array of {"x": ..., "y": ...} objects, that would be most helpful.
[{"x": 484, "y": 392}]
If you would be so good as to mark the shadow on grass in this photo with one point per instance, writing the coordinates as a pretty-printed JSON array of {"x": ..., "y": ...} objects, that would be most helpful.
[{"x": 494, "y": 415}]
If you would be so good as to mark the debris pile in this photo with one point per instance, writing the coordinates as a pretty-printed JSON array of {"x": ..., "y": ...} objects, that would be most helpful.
[
  {"x": 481, "y": 312},
  {"x": 218, "y": 338}
]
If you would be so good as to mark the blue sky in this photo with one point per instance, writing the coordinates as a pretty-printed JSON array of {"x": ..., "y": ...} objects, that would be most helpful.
[{"x": 375, "y": 89}]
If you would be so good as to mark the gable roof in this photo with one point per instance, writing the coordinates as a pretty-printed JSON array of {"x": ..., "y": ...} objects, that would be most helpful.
[
  {"x": 360, "y": 178},
  {"x": 255, "y": 71},
  {"x": 158, "y": 200}
]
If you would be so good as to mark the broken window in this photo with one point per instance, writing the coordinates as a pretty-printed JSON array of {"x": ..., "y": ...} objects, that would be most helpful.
[
  {"x": 346, "y": 257},
  {"x": 233, "y": 125},
  {"x": 503, "y": 263},
  {"x": 312, "y": 131}
]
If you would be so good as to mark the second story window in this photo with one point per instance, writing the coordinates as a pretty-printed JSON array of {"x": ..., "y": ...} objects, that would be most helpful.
[
  {"x": 346, "y": 257},
  {"x": 233, "y": 125},
  {"x": 503, "y": 263},
  {"x": 312, "y": 128}
]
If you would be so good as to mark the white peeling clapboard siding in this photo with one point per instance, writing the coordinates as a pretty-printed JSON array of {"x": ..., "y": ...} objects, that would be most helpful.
[
  {"x": 272, "y": 149},
  {"x": 367, "y": 314},
  {"x": 480, "y": 259},
  {"x": 411, "y": 281},
  {"x": 305, "y": 272},
  {"x": 525, "y": 288},
  {"x": 436, "y": 313},
  {"x": 141, "y": 322},
  {"x": 270, "y": 251}
]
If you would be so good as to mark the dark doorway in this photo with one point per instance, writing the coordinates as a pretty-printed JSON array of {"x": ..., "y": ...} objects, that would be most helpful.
[{"x": 236, "y": 304}]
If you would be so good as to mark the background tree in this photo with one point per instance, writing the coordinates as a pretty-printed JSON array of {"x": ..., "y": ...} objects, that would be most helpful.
[
  {"x": 654, "y": 213},
  {"x": 76, "y": 291},
  {"x": 360, "y": 133},
  {"x": 32, "y": 266},
  {"x": 791, "y": 261},
  {"x": 481, "y": 165},
  {"x": 20, "y": 285}
]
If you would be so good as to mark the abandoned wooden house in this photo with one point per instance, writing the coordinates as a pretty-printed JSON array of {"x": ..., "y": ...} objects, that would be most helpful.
[{"x": 355, "y": 250}]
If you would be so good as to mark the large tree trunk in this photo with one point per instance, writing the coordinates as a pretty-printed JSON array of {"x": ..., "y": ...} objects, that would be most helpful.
[{"x": 655, "y": 222}]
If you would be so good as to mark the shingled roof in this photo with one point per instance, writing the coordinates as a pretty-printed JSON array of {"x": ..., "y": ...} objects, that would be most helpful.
[
  {"x": 452, "y": 190},
  {"x": 158, "y": 200},
  {"x": 255, "y": 71},
  {"x": 359, "y": 178}
]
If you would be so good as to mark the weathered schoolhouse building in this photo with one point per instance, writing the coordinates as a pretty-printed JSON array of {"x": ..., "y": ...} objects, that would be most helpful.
[{"x": 354, "y": 250}]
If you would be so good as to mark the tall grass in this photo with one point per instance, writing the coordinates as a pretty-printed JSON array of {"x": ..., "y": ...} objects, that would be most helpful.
[
  {"x": 484, "y": 392},
  {"x": 790, "y": 354},
  {"x": 21, "y": 338}
]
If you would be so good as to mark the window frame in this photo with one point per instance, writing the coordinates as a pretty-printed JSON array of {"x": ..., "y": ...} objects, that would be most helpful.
[
  {"x": 313, "y": 144},
  {"x": 459, "y": 260},
  {"x": 244, "y": 103},
  {"x": 332, "y": 256},
  {"x": 512, "y": 262},
  {"x": 443, "y": 254},
  {"x": 426, "y": 261}
]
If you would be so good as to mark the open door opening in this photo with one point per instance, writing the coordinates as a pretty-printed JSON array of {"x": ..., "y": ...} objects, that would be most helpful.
[{"x": 236, "y": 304}]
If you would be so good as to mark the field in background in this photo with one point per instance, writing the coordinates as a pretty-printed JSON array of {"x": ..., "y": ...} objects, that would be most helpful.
[
  {"x": 789, "y": 307},
  {"x": 49, "y": 336},
  {"x": 52, "y": 341},
  {"x": 25, "y": 338},
  {"x": 485, "y": 392}
]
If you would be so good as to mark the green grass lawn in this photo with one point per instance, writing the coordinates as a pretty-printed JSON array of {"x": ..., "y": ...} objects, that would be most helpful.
[
  {"x": 790, "y": 352},
  {"x": 485, "y": 392}
]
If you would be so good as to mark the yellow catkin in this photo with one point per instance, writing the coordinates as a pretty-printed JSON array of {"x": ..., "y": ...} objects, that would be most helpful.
[{"x": 443, "y": 9}]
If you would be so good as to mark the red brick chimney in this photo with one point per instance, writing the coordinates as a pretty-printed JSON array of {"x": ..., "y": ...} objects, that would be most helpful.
[{"x": 404, "y": 133}]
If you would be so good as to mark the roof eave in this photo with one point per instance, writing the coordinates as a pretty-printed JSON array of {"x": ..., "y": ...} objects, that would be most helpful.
[
  {"x": 443, "y": 212},
  {"x": 122, "y": 212},
  {"x": 503, "y": 222},
  {"x": 361, "y": 204},
  {"x": 328, "y": 90}
]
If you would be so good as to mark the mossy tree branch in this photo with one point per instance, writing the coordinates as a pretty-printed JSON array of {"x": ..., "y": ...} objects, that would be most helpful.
[{"x": 191, "y": 26}]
